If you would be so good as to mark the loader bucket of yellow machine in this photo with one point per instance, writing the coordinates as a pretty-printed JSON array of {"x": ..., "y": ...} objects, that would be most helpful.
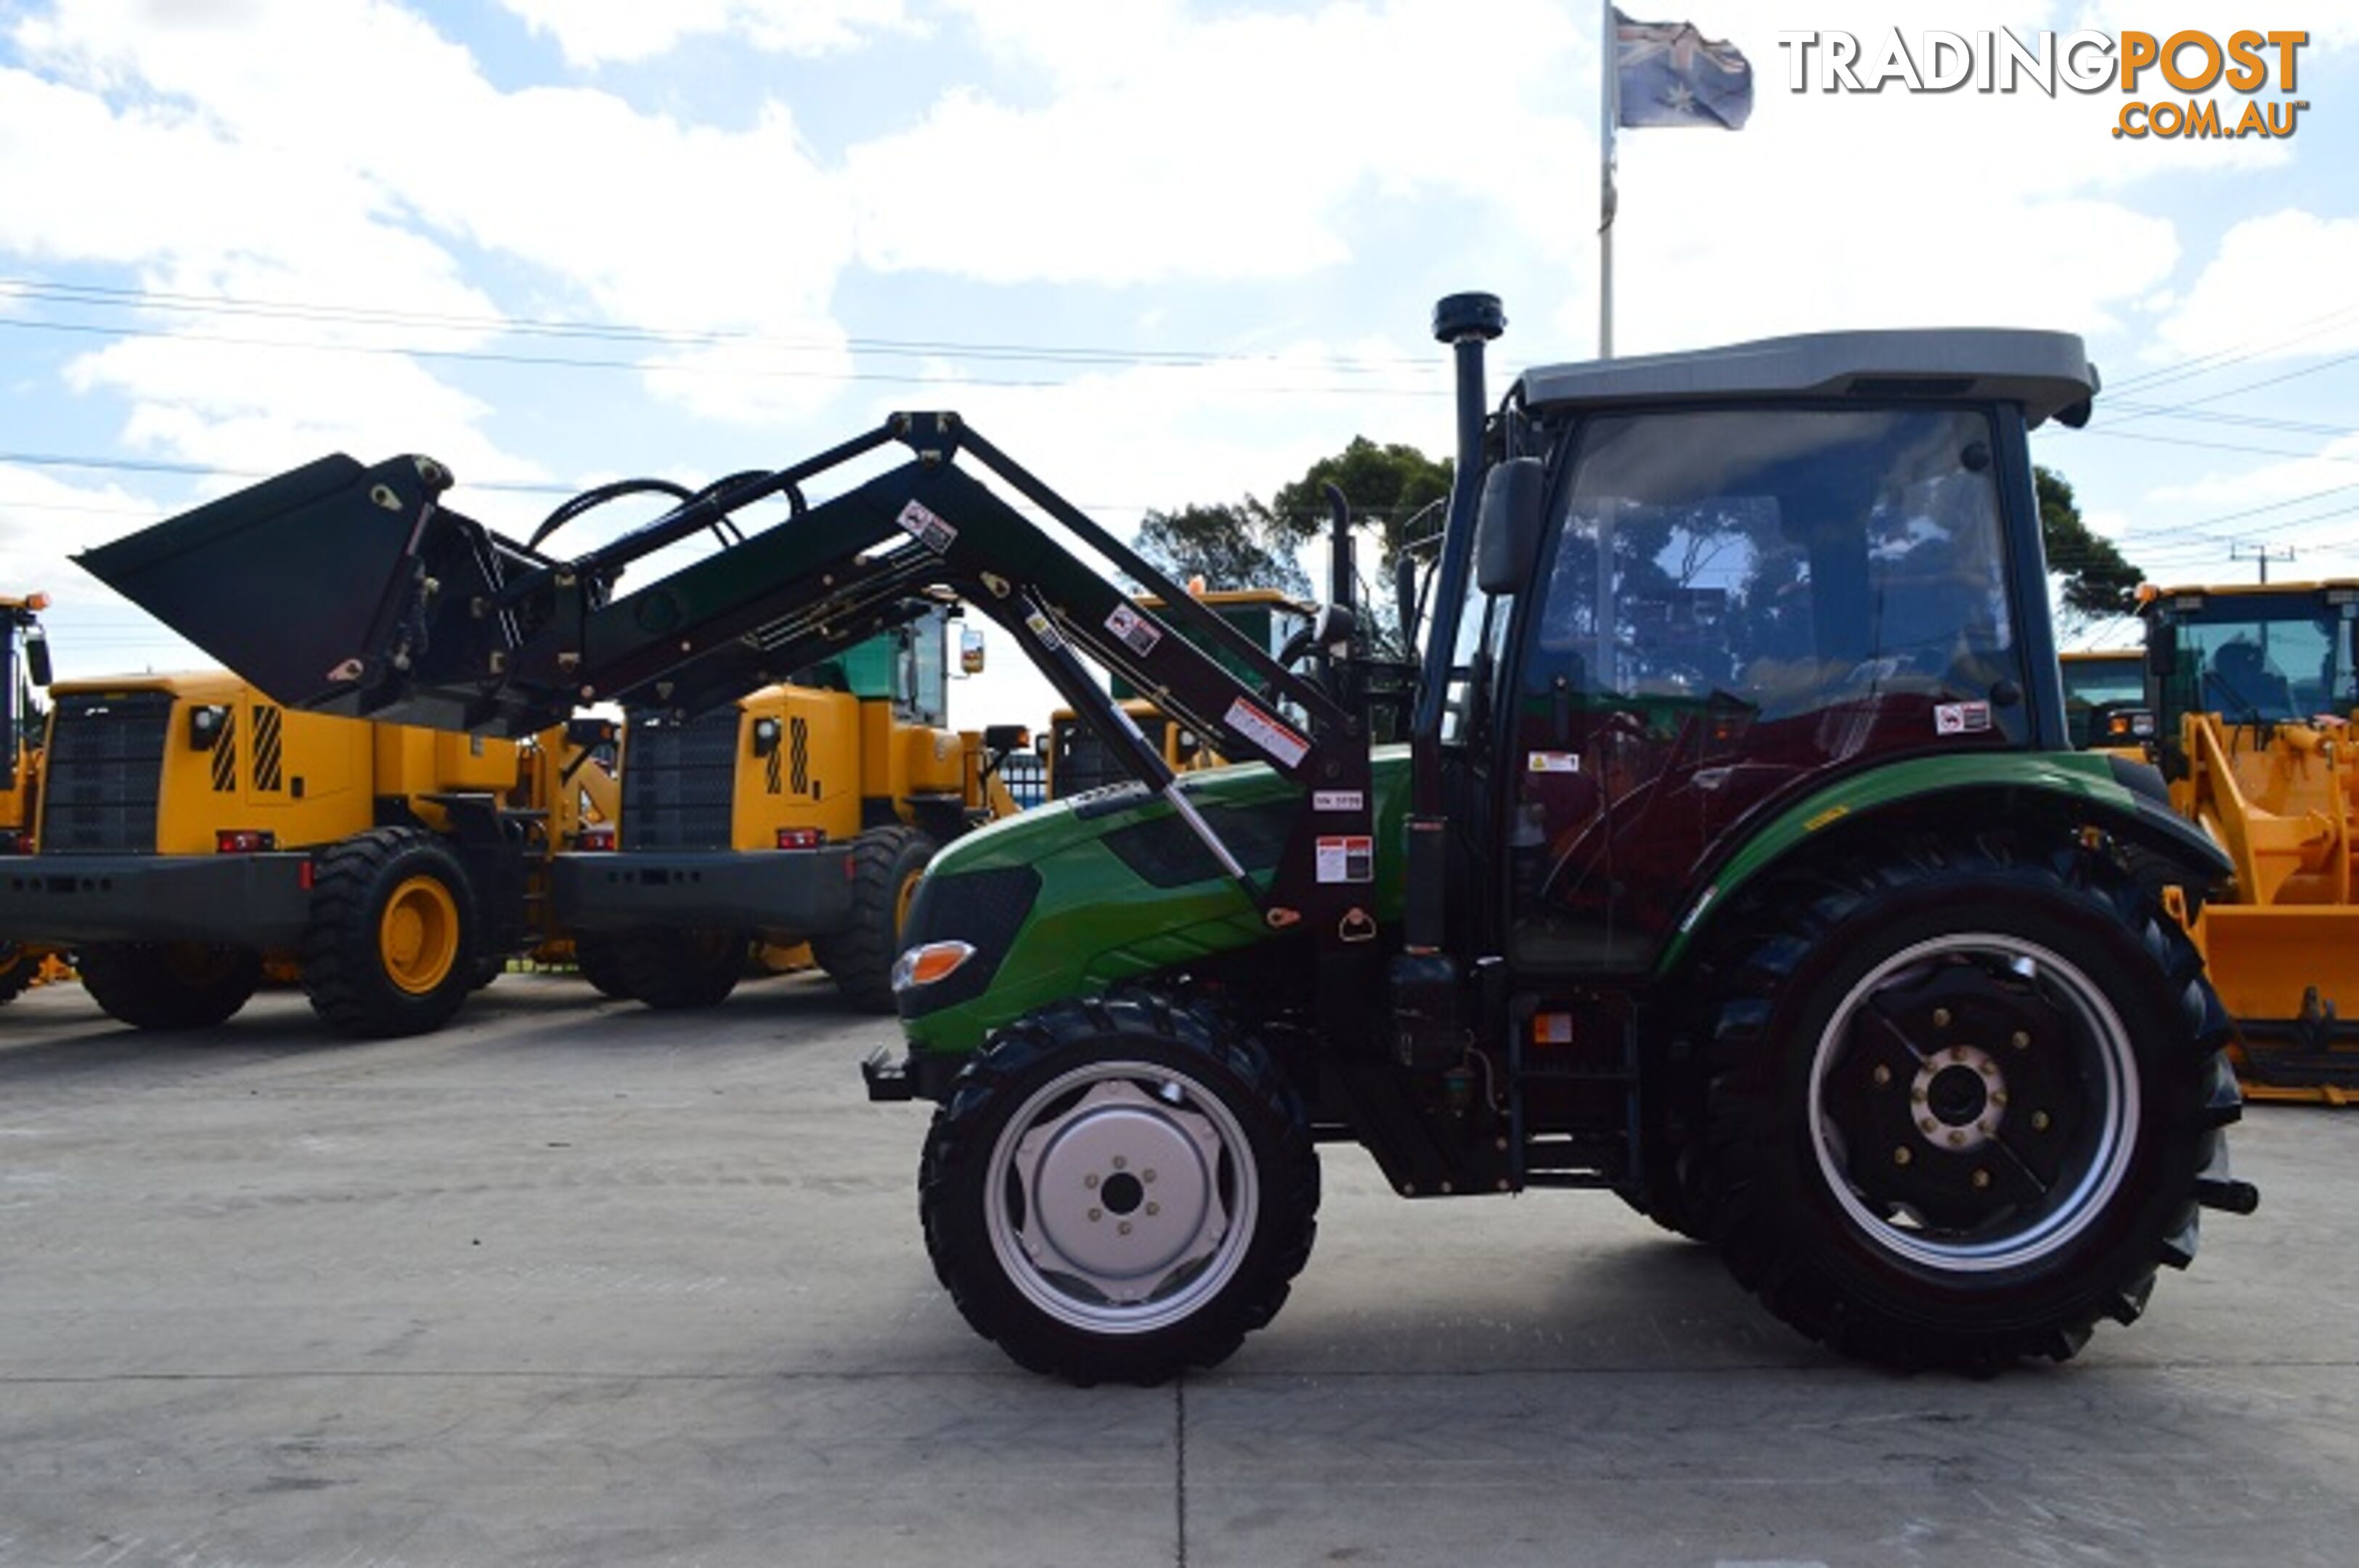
[{"x": 2289, "y": 974}]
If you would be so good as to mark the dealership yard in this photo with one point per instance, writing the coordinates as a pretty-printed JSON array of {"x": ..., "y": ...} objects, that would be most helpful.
[{"x": 584, "y": 1283}]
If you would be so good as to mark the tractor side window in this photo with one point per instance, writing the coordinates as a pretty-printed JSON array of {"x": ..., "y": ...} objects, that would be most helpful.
[
  {"x": 1474, "y": 665},
  {"x": 1737, "y": 601}
]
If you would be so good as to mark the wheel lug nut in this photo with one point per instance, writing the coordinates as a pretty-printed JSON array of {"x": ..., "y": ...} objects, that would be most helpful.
[
  {"x": 1927, "y": 1124},
  {"x": 1096, "y": 1214},
  {"x": 2020, "y": 1041},
  {"x": 1956, "y": 1138},
  {"x": 1998, "y": 1097},
  {"x": 1990, "y": 1069},
  {"x": 1901, "y": 1156},
  {"x": 1147, "y": 1175},
  {"x": 1090, "y": 1180},
  {"x": 1941, "y": 1018},
  {"x": 1883, "y": 1074},
  {"x": 1120, "y": 1164},
  {"x": 1981, "y": 1178},
  {"x": 2038, "y": 1121},
  {"x": 1124, "y": 1227},
  {"x": 1153, "y": 1209}
]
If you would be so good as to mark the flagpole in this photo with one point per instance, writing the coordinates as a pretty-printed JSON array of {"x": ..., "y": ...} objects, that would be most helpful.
[{"x": 1609, "y": 102}]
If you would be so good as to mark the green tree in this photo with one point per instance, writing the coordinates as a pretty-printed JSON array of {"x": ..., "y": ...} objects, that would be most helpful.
[
  {"x": 1231, "y": 546},
  {"x": 2098, "y": 580},
  {"x": 1391, "y": 486}
]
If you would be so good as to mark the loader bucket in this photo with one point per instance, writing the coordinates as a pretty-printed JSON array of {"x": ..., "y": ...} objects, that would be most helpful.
[
  {"x": 343, "y": 589},
  {"x": 2285, "y": 972}
]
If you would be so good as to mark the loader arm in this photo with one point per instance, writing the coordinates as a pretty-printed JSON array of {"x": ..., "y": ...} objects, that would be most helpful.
[{"x": 353, "y": 590}]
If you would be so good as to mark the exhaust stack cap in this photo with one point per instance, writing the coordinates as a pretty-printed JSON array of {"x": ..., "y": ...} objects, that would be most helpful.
[{"x": 1457, "y": 317}]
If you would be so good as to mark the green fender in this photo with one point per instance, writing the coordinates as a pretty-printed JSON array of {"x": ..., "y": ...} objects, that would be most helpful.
[{"x": 2093, "y": 786}]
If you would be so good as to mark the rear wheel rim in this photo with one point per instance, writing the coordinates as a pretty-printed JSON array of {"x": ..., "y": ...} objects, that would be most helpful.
[
  {"x": 417, "y": 936},
  {"x": 1121, "y": 1197},
  {"x": 1974, "y": 1104}
]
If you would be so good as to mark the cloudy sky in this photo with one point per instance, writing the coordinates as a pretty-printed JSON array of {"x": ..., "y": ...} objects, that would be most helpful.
[{"x": 1162, "y": 252}]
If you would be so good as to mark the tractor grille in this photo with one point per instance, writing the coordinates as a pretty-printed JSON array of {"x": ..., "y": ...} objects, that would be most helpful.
[
  {"x": 678, "y": 777},
  {"x": 103, "y": 772}
]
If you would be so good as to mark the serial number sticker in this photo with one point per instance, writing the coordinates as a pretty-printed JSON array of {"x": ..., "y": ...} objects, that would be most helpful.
[
  {"x": 1961, "y": 717},
  {"x": 1136, "y": 631},
  {"x": 1338, "y": 800},
  {"x": 927, "y": 529},
  {"x": 1554, "y": 762},
  {"x": 1040, "y": 628},
  {"x": 1347, "y": 858},
  {"x": 1265, "y": 733}
]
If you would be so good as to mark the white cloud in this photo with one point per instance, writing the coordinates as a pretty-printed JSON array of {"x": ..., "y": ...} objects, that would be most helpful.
[
  {"x": 597, "y": 32},
  {"x": 2280, "y": 285}
]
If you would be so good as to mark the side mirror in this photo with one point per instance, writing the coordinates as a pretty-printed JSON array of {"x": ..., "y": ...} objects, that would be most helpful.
[
  {"x": 1003, "y": 739},
  {"x": 2162, "y": 651},
  {"x": 969, "y": 650},
  {"x": 37, "y": 656},
  {"x": 1508, "y": 526},
  {"x": 766, "y": 737}
]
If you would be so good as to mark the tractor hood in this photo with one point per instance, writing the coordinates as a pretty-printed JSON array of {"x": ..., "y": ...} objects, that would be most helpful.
[{"x": 1072, "y": 898}]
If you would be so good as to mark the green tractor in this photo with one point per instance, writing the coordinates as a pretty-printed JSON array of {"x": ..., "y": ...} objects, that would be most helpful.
[{"x": 1736, "y": 862}]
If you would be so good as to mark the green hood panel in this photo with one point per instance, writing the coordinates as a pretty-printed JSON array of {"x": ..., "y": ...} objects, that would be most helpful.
[{"x": 1116, "y": 899}]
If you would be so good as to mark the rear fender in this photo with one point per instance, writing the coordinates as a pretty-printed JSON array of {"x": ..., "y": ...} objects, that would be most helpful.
[{"x": 1962, "y": 796}]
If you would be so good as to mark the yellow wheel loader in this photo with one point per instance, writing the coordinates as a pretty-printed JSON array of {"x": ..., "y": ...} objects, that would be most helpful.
[
  {"x": 23, "y": 665},
  {"x": 2256, "y": 690},
  {"x": 802, "y": 814},
  {"x": 193, "y": 834}
]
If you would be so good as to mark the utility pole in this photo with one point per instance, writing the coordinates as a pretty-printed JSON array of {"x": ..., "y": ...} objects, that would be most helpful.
[{"x": 2264, "y": 553}]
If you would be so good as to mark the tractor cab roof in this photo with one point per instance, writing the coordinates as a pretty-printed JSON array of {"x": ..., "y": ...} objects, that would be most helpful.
[{"x": 2047, "y": 373}]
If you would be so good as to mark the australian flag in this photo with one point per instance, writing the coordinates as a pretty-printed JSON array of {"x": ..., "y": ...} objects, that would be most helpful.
[{"x": 1667, "y": 74}]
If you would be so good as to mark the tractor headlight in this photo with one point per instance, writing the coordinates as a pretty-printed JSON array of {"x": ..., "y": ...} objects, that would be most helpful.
[{"x": 925, "y": 964}]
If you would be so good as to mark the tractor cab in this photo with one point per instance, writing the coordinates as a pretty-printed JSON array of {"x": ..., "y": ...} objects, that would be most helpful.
[{"x": 1709, "y": 585}]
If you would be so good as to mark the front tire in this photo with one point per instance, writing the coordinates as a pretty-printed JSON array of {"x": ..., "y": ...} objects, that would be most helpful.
[
  {"x": 169, "y": 986},
  {"x": 1964, "y": 1100},
  {"x": 1118, "y": 1190},
  {"x": 675, "y": 970},
  {"x": 391, "y": 946},
  {"x": 19, "y": 966}
]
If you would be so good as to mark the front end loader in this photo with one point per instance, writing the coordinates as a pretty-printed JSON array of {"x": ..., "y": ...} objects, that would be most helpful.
[
  {"x": 1735, "y": 861},
  {"x": 2257, "y": 689}
]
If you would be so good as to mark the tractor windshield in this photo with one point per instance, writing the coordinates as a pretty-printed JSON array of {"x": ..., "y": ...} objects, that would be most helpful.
[
  {"x": 2261, "y": 657},
  {"x": 1736, "y": 604}
]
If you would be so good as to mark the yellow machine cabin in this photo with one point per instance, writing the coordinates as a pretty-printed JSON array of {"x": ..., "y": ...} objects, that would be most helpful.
[
  {"x": 802, "y": 813},
  {"x": 2257, "y": 689},
  {"x": 190, "y": 831}
]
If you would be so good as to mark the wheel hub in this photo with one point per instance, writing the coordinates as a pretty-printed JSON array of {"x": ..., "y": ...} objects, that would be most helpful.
[
  {"x": 1961, "y": 1098},
  {"x": 1121, "y": 1191}
]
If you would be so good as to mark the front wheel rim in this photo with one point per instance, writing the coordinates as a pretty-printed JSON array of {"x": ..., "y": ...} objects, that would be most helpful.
[
  {"x": 1974, "y": 1103},
  {"x": 1121, "y": 1197},
  {"x": 417, "y": 937}
]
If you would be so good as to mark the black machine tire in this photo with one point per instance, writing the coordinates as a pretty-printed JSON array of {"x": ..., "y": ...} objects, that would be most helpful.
[
  {"x": 169, "y": 986},
  {"x": 886, "y": 864},
  {"x": 1086, "y": 1100},
  {"x": 391, "y": 946},
  {"x": 2013, "y": 1136},
  {"x": 677, "y": 970},
  {"x": 594, "y": 956},
  {"x": 20, "y": 966}
]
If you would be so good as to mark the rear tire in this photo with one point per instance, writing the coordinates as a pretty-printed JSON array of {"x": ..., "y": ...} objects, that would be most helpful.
[
  {"x": 675, "y": 970},
  {"x": 391, "y": 948},
  {"x": 1118, "y": 1190},
  {"x": 169, "y": 986},
  {"x": 887, "y": 863},
  {"x": 1965, "y": 1099}
]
